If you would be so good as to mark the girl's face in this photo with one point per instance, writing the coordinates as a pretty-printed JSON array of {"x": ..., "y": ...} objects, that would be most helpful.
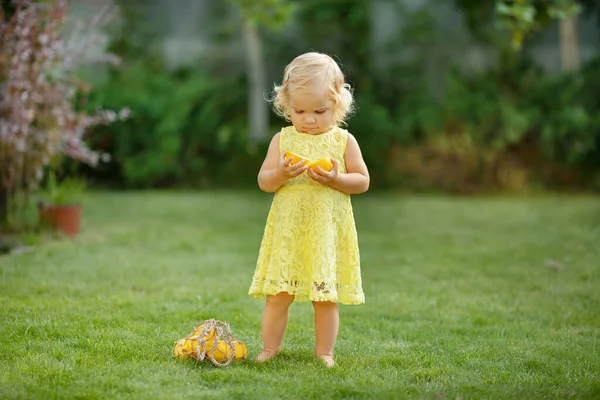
[{"x": 311, "y": 111}]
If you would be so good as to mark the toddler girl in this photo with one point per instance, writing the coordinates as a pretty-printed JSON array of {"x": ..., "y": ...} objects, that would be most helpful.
[{"x": 309, "y": 250}]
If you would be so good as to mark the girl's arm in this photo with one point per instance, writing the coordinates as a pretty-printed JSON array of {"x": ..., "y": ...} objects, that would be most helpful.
[
  {"x": 356, "y": 180},
  {"x": 276, "y": 170}
]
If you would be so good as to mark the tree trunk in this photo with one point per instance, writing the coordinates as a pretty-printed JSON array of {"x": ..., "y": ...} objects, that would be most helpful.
[
  {"x": 258, "y": 110},
  {"x": 569, "y": 44},
  {"x": 3, "y": 208}
]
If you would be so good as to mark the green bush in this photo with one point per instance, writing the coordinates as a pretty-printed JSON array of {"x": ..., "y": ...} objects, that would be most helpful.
[
  {"x": 569, "y": 117},
  {"x": 551, "y": 122},
  {"x": 509, "y": 126},
  {"x": 183, "y": 123}
]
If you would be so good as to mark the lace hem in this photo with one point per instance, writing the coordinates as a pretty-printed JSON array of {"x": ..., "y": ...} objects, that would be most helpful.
[{"x": 303, "y": 292}]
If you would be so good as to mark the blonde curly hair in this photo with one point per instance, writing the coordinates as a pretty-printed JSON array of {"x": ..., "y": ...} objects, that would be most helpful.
[{"x": 310, "y": 68}]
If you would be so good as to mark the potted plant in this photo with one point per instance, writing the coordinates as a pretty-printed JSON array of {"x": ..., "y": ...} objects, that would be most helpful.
[{"x": 60, "y": 207}]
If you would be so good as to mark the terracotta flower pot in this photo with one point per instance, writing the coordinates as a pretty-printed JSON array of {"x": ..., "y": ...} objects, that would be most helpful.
[{"x": 64, "y": 217}]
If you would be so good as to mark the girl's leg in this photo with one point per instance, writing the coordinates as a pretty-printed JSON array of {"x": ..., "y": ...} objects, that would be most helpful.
[
  {"x": 327, "y": 322},
  {"x": 274, "y": 322}
]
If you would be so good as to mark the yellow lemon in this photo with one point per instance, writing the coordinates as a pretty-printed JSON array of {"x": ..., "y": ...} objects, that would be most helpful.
[
  {"x": 209, "y": 337},
  {"x": 296, "y": 158},
  {"x": 193, "y": 347},
  {"x": 181, "y": 349},
  {"x": 324, "y": 163},
  {"x": 198, "y": 330},
  {"x": 241, "y": 351},
  {"x": 222, "y": 351}
]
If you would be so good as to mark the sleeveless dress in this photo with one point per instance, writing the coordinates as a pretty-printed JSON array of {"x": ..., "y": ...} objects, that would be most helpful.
[{"x": 309, "y": 246}]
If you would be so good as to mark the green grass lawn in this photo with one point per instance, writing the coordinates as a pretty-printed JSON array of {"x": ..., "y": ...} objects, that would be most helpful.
[{"x": 466, "y": 298}]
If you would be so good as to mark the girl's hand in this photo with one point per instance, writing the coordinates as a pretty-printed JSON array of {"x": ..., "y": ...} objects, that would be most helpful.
[
  {"x": 324, "y": 177},
  {"x": 285, "y": 170}
]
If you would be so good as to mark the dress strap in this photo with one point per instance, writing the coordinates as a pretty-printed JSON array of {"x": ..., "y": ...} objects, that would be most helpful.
[
  {"x": 344, "y": 133},
  {"x": 280, "y": 141},
  {"x": 283, "y": 133}
]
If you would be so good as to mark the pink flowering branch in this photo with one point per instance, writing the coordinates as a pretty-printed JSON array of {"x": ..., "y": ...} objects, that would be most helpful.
[{"x": 38, "y": 89}]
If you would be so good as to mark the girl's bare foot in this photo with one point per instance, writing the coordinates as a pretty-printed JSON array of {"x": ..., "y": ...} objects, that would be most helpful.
[
  {"x": 265, "y": 355},
  {"x": 328, "y": 360}
]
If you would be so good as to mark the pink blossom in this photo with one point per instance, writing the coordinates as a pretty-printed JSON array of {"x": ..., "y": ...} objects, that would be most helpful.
[{"x": 38, "y": 86}]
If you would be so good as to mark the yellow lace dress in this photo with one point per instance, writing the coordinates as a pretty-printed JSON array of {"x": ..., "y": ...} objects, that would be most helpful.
[{"x": 310, "y": 245}]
